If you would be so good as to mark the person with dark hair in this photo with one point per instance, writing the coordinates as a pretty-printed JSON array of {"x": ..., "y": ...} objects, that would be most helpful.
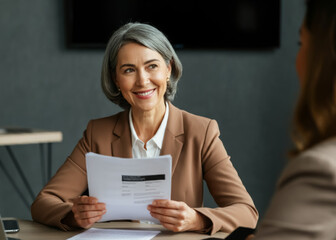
[
  {"x": 140, "y": 74},
  {"x": 304, "y": 203}
]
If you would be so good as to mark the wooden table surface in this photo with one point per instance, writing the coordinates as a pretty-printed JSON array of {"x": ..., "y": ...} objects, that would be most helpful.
[{"x": 30, "y": 230}]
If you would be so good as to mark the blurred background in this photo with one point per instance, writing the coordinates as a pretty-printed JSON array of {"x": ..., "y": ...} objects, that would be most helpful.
[{"x": 46, "y": 85}]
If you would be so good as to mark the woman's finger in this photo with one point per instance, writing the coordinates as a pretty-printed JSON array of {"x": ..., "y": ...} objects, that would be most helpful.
[
  {"x": 165, "y": 218},
  {"x": 88, "y": 214},
  {"x": 164, "y": 211},
  {"x": 176, "y": 216},
  {"x": 87, "y": 210},
  {"x": 90, "y": 207},
  {"x": 84, "y": 200},
  {"x": 164, "y": 203},
  {"x": 172, "y": 227},
  {"x": 86, "y": 223}
]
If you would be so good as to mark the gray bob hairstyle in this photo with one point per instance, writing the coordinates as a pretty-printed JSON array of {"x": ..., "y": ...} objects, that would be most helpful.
[{"x": 149, "y": 37}]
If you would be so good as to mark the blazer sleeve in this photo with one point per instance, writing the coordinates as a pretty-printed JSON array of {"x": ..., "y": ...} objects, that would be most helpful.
[
  {"x": 303, "y": 206},
  {"x": 52, "y": 203},
  {"x": 235, "y": 206}
]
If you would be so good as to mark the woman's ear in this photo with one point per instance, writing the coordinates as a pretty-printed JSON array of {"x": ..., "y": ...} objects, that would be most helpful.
[
  {"x": 169, "y": 67},
  {"x": 117, "y": 85}
]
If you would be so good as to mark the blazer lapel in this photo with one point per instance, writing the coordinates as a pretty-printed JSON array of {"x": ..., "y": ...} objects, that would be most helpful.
[
  {"x": 122, "y": 145},
  {"x": 172, "y": 142},
  {"x": 173, "y": 139}
]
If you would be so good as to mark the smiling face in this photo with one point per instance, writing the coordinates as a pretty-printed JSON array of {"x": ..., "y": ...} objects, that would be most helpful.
[{"x": 141, "y": 75}]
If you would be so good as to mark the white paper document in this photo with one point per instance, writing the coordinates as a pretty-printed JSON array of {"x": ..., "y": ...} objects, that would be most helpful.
[
  {"x": 117, "y": 234},
  {"x": 128, "y": 185}
]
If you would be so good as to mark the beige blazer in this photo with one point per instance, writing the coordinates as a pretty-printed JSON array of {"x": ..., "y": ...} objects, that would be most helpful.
[
  {"x": 197, "y": 154},
  {"x": 304, "y": 204}
]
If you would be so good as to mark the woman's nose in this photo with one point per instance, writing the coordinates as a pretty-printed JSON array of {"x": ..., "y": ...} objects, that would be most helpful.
[{"x": 142, "y": 78}]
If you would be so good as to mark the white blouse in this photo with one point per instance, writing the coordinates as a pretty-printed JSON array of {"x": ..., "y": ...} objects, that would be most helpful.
[{"x": 154, "y": 145}]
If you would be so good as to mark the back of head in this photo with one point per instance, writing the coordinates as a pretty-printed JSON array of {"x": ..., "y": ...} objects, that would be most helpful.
[
  {"x": 315, "y": 116},
  {"x": 149, "y": 37}
]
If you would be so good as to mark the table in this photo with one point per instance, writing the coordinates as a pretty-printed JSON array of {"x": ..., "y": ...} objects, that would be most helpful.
[
  {"x": 18, "y": 136},
  {"x": 30, "y": 230}
]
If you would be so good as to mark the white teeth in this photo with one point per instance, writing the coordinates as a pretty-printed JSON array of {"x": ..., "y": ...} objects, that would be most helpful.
[{"x": 145, "y": 93}]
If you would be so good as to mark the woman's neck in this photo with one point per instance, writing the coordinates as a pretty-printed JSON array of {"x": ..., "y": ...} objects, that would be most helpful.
[{"x": 146, "y": 123}]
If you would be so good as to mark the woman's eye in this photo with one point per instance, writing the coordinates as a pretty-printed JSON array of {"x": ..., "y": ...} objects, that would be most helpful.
[
  {"x": 128, "y": 70},
  {"x": 152, "y": 66}
]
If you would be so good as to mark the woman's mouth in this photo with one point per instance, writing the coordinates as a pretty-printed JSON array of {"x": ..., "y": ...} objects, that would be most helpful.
[{"x": 145, "y": 94}]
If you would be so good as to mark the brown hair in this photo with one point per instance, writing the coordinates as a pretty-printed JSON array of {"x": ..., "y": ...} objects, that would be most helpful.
[{"x": 315, "y": 114}]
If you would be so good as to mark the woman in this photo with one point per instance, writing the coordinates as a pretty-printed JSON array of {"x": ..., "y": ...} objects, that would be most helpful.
[
  {"x": 304, "y": 204},
  {"x": 140, "y": 73}
]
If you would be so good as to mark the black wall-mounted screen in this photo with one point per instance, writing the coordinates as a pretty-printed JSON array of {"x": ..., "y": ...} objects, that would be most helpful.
[{"x": 188, "y": 24}]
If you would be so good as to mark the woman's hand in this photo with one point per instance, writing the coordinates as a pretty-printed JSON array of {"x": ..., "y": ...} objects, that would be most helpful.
[
  {"x": 85, "y": 212},
  {"x": 177, "y": 216}
]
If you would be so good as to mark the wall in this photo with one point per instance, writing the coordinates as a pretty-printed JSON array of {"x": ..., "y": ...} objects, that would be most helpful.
[{"x": 44, "y": 85}]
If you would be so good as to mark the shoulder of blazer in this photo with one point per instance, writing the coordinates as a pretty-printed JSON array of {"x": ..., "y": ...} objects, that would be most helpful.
[
  {"x": 318, "y": 161},
  {"x": 324, "y": 149},
  {"x": 182, "y": 121},
  {"x": 115, "y": 123}
]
